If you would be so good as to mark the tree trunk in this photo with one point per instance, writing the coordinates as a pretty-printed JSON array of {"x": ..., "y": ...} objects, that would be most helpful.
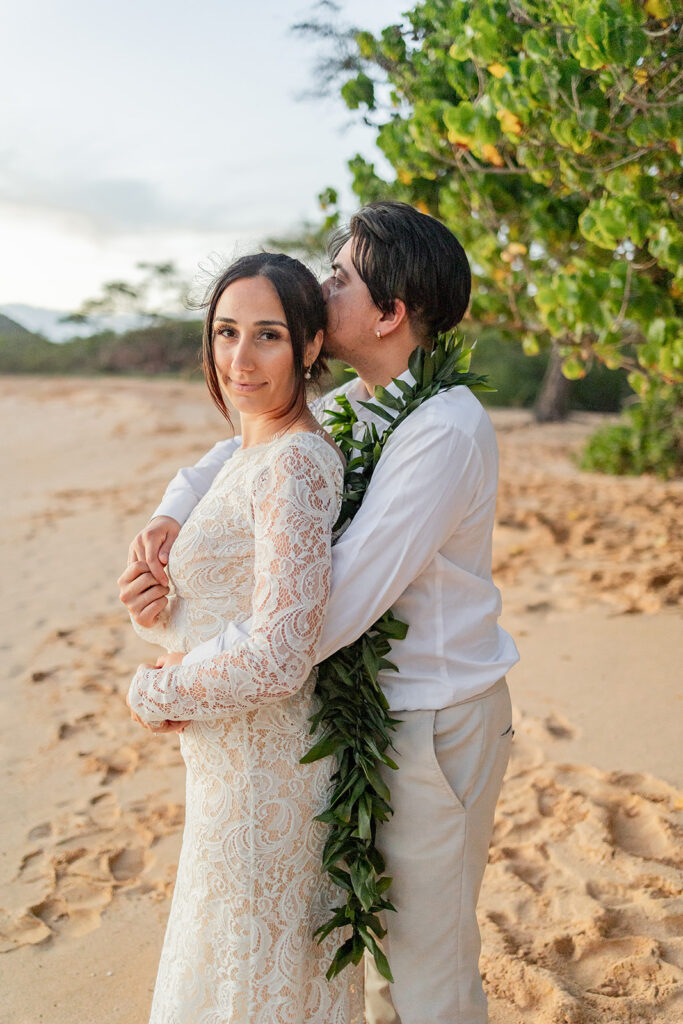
[{"x": 552, "y": 404}]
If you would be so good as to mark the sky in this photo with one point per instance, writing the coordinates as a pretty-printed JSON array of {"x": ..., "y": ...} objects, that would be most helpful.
[{"x": 157, "y": 131}]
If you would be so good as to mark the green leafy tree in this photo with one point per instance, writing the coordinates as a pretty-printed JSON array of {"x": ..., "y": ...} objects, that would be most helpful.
[
  {"x": 158, "y": 295},
  {"x": 547, "y": 135}
]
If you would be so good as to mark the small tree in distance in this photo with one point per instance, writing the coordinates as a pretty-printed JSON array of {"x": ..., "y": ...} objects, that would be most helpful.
[
  {"x": 547, "y": 135},
  {"x": 159, "y": 294}
]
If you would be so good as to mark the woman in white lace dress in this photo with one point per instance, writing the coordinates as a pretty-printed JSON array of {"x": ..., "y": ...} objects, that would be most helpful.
[{"x": 239, "y": 946}]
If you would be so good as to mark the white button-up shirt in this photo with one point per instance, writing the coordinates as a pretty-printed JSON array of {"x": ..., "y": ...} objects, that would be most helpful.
[{"x": 419, "y": 544}]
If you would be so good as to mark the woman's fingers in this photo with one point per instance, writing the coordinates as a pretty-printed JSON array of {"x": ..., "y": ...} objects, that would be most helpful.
[
  {"x": 148, "y": 615},
  {"x": 169, "y": 726},
  {"x": 142, "y": 595}
]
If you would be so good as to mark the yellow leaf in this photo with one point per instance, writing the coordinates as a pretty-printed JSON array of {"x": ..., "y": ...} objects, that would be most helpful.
[
  {"x": 500, "y": 273},
  {"x": 498, "y": 70},
  {"x": 657, "y": 9},
  {"x": 516, "y": 249},
  {"x": 509, "y": 122},
  {"x": 491, "y": 154},
  {"x": 422, "y": 207},
  {"x": 405, "y": 177},
  {"x": 456, "y": 139},
  {"x": 640, "y": 76}
]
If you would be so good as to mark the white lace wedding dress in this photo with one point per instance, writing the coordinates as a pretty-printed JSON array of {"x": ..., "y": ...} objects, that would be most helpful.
[{"x": 250, "y": 890}]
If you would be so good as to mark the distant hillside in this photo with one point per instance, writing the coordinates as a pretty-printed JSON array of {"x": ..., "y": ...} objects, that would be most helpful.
[
  {"x": 171, "y": 347},
  {"x": 51, "y": 323},
  {"x": 21, "y": 351},
  {"x": 175, "y": 347},
  {"x": 10, "y": 328}
]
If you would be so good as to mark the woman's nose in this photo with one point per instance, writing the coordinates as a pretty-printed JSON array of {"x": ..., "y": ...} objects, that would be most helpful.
[{"x": 243, "y": 356}]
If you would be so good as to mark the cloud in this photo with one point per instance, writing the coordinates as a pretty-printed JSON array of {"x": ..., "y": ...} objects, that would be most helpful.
[{"x": 113, "y": 206}]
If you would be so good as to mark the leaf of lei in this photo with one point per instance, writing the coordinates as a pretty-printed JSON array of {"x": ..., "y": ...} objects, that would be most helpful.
[{"x": 352, "y": 708}]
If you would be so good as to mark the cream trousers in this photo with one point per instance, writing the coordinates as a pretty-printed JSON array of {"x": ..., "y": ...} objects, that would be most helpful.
[{"x": 451, "y": 766}]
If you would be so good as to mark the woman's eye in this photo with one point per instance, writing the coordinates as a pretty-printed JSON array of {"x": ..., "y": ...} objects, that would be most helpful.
[
  {"x": 225, "y": 332},
  {"x": 269, "y": 335}
]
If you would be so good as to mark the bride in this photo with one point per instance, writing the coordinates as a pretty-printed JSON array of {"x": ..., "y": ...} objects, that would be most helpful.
[{"x": 250, "y": 891}]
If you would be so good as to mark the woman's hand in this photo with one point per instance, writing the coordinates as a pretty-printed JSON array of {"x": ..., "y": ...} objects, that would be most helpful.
[
  {"x": 174, "y": 658},
  {"x": 144, "y": 598}
]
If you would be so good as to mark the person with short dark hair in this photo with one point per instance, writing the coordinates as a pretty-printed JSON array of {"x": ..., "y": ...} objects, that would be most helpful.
[{"x": 420, "y": 544}]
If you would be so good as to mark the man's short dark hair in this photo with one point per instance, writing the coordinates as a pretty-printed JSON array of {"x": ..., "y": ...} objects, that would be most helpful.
[{"x": 402, "y": 254}]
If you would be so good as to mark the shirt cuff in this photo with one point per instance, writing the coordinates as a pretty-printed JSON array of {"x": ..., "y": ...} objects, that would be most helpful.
[
  {"x": 217, "y": 645},
  {"x": 177, "y": 506}
]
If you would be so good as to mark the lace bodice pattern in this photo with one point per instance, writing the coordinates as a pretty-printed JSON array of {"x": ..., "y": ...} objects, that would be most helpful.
[
  {"x": 257, "y": 545},
  {"x": 250, "y": 890}
]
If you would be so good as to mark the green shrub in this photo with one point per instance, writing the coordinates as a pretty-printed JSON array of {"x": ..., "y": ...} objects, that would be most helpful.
[{"x": 648, "y": 440}]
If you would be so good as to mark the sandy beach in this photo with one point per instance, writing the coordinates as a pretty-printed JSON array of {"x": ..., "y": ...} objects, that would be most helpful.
[{"x": 581, "y": 909}]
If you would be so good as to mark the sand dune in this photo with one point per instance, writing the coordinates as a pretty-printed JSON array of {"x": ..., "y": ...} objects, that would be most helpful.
[{"x": 581, "y": 908}]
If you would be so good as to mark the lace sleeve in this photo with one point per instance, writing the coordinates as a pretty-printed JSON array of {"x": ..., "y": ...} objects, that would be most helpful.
[{"x": 296, "y": 501}]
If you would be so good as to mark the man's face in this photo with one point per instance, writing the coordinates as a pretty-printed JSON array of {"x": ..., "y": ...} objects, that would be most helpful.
[{"x": 352, "y": 316}]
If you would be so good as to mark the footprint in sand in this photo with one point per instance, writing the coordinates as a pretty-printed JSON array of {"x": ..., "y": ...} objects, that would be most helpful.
[
  {"x": 41, "y": 831},
  {"x": 580, "y": 906},
  {"x": 128, "y": 864},
  {"x": 104, "y": 810},
  {"x": 112, "y": 765},
  {"x": 637, "y": 827},
  {"x": 83, "y": 722}
]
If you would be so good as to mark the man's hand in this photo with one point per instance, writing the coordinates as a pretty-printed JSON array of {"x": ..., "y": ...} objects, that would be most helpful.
[
  {"x": 144, "y": 598},
  {"x": 172, "y": 658},
  {"x": 153, "y": 544}
]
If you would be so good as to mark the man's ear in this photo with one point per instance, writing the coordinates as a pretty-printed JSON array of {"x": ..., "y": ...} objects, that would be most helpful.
[{"x": 387, "y": 323}]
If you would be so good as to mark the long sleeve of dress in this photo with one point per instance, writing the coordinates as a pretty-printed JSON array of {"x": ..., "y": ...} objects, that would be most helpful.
[{"x": 295, "y": 503}]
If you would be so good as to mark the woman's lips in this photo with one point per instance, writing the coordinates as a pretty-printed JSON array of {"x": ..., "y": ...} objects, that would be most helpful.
[{"x": 245, "y": 388}]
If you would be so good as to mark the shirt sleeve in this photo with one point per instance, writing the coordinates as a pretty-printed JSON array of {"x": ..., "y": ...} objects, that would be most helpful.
[
  {"x": 296, "y": 502},
  {"x": 425, "y": 484},
  {"x": 190, "y": 484},
  {"x": 419, "y": 494}
]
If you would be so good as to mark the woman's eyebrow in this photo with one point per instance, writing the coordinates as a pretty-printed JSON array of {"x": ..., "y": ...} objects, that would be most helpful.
[{"x": 258, "y": 323}]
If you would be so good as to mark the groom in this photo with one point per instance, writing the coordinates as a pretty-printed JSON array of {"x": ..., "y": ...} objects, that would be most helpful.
[{"x": 420, "y": 544}]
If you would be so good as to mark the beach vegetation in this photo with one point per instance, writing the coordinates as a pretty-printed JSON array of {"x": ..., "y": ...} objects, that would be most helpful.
[{"x": 547, "y": 136}]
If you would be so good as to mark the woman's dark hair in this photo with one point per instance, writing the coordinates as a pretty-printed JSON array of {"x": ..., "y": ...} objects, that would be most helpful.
[
  {"x": 400, "y": 253},
  {"x": 302, "y": 301}
]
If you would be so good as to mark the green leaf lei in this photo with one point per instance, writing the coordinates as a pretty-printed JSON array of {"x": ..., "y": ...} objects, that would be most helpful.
[{"x": 353, "y": 711}]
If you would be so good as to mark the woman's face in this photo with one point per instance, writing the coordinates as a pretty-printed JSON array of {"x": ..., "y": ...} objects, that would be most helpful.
[{"x": 252, "y": 348}]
